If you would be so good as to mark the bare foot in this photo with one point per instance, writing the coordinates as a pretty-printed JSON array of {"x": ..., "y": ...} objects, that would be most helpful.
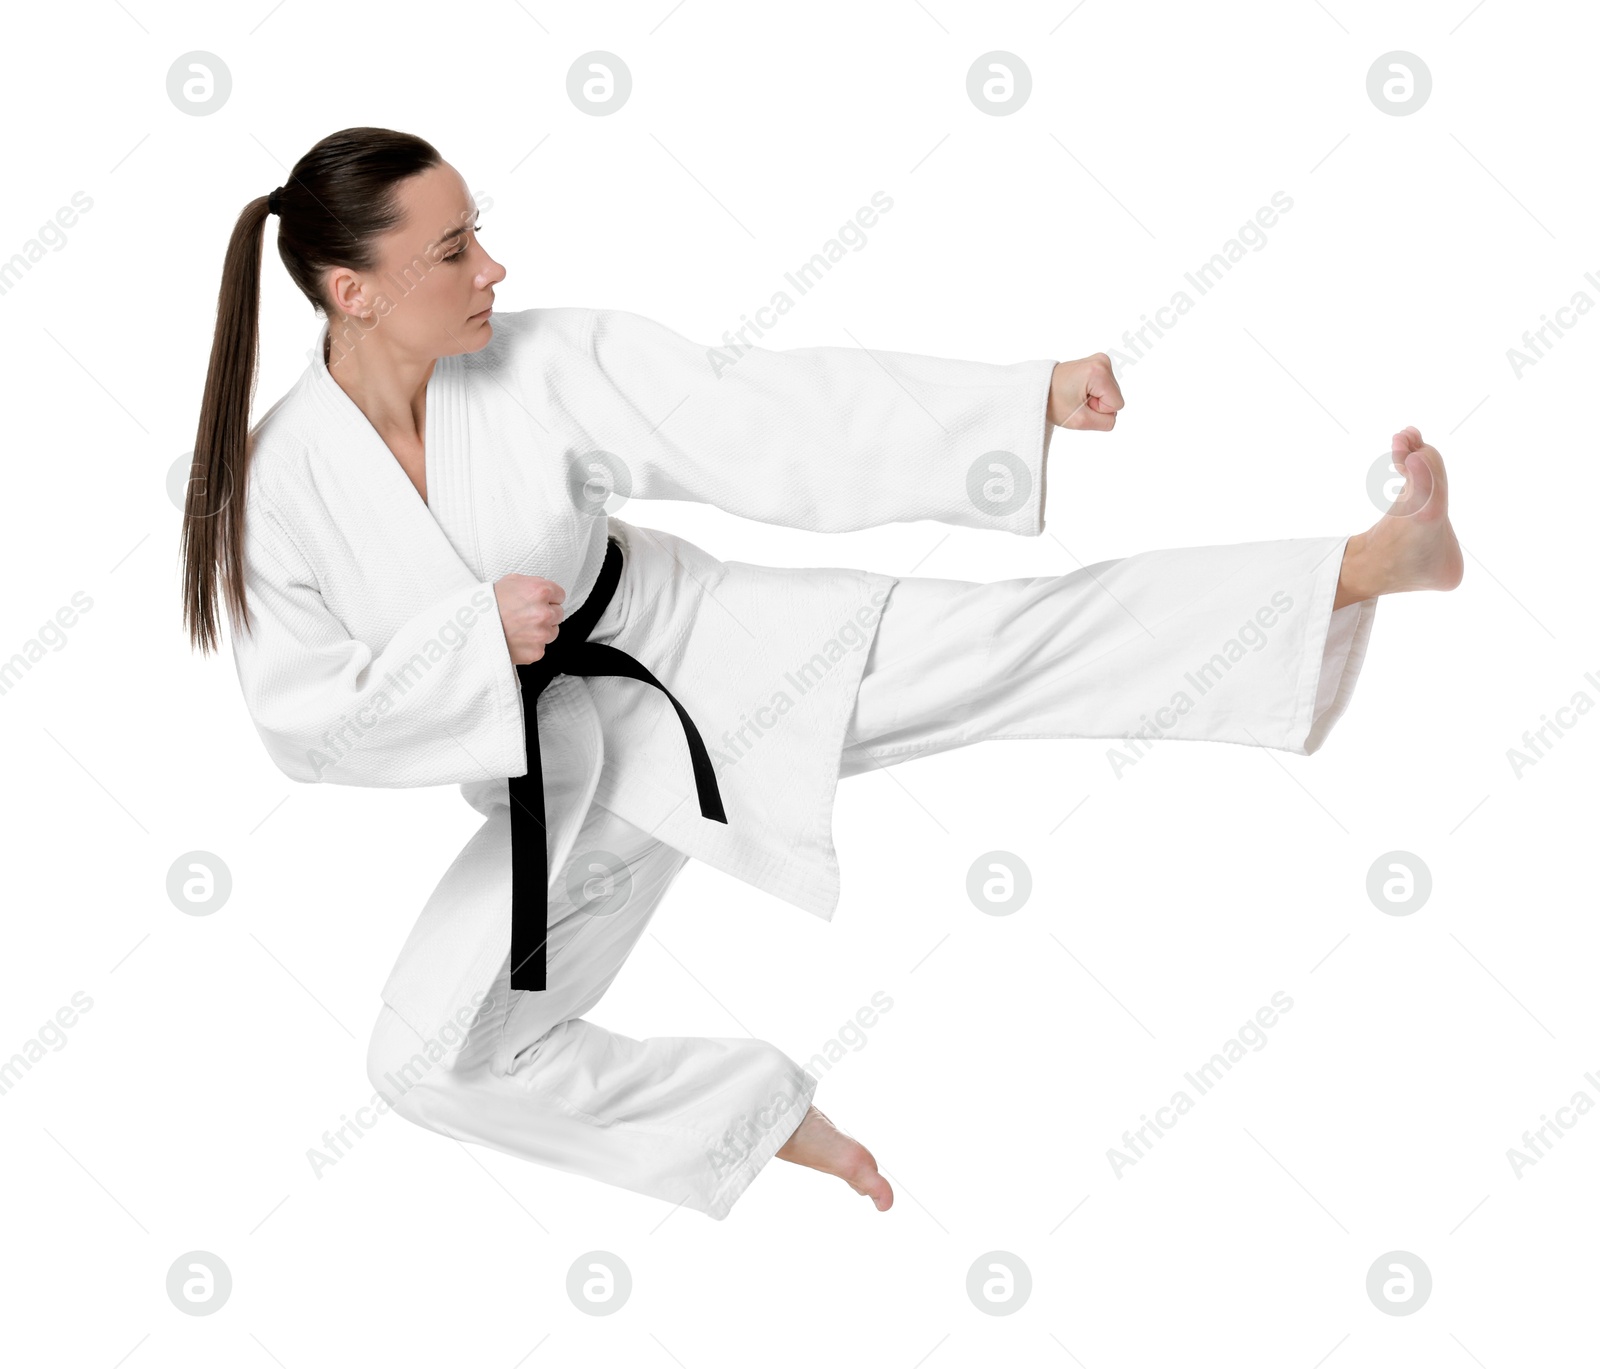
[
  {"x": 818, "y": 1144},
  {"x": 1412, "y": 546}
]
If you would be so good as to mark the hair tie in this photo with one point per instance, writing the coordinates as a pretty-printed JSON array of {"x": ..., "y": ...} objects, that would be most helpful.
[{"x": 274, "y": 200}]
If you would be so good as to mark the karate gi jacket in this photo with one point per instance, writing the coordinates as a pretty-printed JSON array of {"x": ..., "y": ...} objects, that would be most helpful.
[{"x": 377, "y": 655}]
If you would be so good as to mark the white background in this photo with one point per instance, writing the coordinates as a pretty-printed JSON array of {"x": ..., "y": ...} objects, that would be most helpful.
[{"x": 1166, "y": 910}]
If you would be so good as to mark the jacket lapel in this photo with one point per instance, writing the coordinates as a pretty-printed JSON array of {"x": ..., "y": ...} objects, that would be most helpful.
[{"x": 392, "y": 513}]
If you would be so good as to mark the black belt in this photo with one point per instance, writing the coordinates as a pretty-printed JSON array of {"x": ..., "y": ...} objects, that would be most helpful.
[{"x": 571, "y": 653}]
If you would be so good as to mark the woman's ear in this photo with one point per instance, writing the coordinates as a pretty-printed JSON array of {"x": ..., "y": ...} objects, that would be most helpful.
[{"x": 347, "y": 292}]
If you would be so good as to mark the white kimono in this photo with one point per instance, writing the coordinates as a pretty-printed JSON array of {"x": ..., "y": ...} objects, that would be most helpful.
[
  {"x": 377, "y": 655},
  {"x": 378, "y": 658}
]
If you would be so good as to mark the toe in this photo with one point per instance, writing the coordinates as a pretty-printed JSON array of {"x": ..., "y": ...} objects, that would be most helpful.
[
  {"x": 873, "y": 1185},
  {"x": 1435, "y": 468},
  {"x": 1419, "y": 479}
]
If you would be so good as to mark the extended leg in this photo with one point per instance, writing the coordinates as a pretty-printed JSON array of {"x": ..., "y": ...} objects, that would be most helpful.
[
  {"x": 1229, "y": 643},
  {"x": 1257, "y": 643},
  {"x": 1235, "y": 643}
]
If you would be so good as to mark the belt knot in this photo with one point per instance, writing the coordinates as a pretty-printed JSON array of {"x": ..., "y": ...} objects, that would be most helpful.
[{"x": 572, "y": 653}]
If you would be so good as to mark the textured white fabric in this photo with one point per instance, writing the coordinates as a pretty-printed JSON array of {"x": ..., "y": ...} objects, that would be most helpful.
[
  {"x": 377, "y": 658},
  {"x": 1231, "y": 643},
  {"x": 684, "y": 1119},
  {"x": 1237, "y": 643}
]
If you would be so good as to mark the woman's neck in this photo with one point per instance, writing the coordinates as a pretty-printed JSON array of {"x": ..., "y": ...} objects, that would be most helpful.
[{"x": 391, "y": 391}]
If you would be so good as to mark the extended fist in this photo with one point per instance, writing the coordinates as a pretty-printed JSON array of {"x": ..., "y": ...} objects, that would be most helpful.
[
  {"x": 530, "y": 614},
  {"x": 1084, "y": 394}
]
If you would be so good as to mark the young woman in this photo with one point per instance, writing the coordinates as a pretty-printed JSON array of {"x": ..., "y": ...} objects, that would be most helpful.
[{"x": 425, "y": 587}]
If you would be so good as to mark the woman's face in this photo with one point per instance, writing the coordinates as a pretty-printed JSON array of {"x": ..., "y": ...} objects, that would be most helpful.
[{"x": 429, "y": 295}]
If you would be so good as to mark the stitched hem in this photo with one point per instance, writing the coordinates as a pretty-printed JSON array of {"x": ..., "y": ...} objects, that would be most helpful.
[
  {"x": 1314, "y": 645},
  {"x": 732, "y": 1187},
  {"x": 1348, "y": 668}
]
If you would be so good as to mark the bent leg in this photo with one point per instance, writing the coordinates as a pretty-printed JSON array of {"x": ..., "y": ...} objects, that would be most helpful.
[
  {"x": 1236, "y": 643},
  {"x": 689, "y": 1120}
]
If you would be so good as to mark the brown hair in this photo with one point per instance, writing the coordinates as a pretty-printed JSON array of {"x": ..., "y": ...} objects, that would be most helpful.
[{"x": 338, "y": 199}]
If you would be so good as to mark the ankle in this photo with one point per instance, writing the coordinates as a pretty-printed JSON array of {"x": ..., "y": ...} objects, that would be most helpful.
[{"x": 1359, "y": 575}]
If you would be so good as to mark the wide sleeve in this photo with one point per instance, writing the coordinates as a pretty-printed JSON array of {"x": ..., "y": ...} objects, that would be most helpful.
[
  {"x": 824, "y": 438},
  {"x": 440, "y": 703}
]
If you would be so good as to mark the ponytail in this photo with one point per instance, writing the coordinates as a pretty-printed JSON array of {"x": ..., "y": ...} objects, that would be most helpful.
[
  {"x": 213, "y": 510},
  {"x": 337, "y": 201}
]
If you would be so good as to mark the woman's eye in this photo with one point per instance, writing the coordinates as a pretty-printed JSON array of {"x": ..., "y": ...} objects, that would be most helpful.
[{"x": 461, "y": 252}]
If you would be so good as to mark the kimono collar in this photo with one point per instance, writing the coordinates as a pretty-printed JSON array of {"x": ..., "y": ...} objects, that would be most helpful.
[{"x": 394, "y": 500}]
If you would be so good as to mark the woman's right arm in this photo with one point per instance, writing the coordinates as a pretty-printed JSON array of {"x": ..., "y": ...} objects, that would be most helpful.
[{"x": 440, "y": 703}]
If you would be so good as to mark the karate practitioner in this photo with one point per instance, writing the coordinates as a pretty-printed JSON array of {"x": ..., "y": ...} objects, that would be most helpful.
[{"x": 424, "y": 588}]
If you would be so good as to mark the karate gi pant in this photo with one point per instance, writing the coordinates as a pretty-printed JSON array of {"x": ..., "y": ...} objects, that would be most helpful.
[{"x": 1232, "y": 643}]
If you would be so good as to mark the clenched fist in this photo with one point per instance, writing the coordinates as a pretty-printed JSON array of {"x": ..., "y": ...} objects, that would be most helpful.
[
  {"x": 1084, "y": 394},
  {"x": 530, "y": 614}
]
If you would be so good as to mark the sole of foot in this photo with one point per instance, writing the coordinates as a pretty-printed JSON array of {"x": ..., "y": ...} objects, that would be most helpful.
[{"x": 818, "y": 1144}]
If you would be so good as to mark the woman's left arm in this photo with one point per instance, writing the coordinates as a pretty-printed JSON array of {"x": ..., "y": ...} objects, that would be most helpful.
[{"x": 834, "y": 438}]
